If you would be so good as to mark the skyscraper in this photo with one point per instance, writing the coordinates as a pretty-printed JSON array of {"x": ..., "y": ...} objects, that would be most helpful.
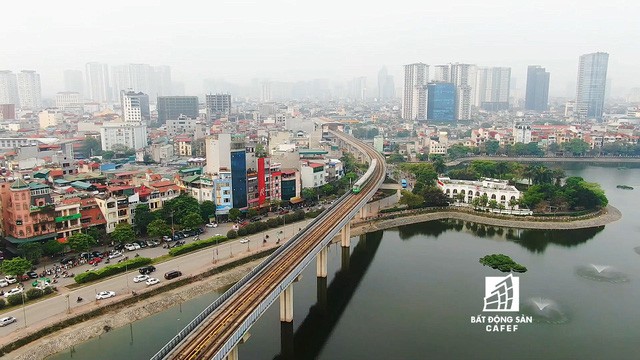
[
  {"x": 135, "y": 106},
  {"x": 464, "y": 77},
  {"x": 161, "y": 83},
  {"x": 73, "y": 81},
  {"x": 386, "y": 87},
  {"x": 358, "y": 87},
  {"x": 492, "y": 88},
  {"x": 170, "y": 107},
  {"x": 537, "y": 96},
  {"x": 218, "y": 105},
  {"x": 414, "y": 95},
  {"x": 265, "y": 93},
  {"x": 9, "y": 88},
  {"x": 29, "y": 90},
  {"x": 592, "y": 80},
  {"x": 97, "y": 75},
  {"x": 441, "y": 101},
  {"x": 442, "y": 73}
]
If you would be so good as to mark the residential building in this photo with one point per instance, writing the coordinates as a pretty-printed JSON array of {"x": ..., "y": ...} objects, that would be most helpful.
[
  {"x": 8, "y": 112},
  {"x": 312, "y": 174},
  {"x": 223, "y": 194},
  {"x": 162, "y": 153},
  {"x": 290, "y": 185},
  {"x": 161, "y": 83},
  {"x": 182, "y": 145},
  {"x": 69, "y": 101},
  {"x": 218, "y": 105},
  {"x": 537, "y": 96},
  {"x": 186, "y": 126},
  {"x": 67, "y": 219},
  {"x": 28, "y": 213},
  {"x": 97, "y": 75},
  {"x": 414, "y": 96},
  {"x": 132, "y": 135},
  {"x": 50, "y": 118},
  {"x": 441, "y": 101},
  {"x": 592, "y": 81},
  {"x": 265, "y": 93},
  {"x": 9, "y": 88},
  {"x": 172, "y": 107},
  {"x": 135, "y": 106},
  {"x": 378, "y": 143},
  {"x": 442, "y": 73},
  {"x": 73, "y": 82},
  {"x": 463, "y": 76},
  {"x": 29, "y": 90},
  {"x": 521, "y": 133},
  {"x": 492, "y": 88}
]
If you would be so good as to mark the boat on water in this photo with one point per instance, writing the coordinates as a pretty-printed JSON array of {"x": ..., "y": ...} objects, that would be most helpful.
[{"x": 625, "y": 187}]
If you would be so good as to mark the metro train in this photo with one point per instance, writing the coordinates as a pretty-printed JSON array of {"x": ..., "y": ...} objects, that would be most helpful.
[{"x": 365, "y": 178}]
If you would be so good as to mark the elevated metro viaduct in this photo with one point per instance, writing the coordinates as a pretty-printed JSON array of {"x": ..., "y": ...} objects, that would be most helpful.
[{"x": 216, "y": 332}]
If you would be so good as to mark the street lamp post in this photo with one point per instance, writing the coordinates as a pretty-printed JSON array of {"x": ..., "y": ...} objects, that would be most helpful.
[
  {"x": 248, "y": 243},
  {"x": 68, "y": 305},
  {"x": 24, "y": 311}
]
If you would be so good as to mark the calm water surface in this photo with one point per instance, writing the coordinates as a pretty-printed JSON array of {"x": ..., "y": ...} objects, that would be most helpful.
[{"x": 409, "y": 293}]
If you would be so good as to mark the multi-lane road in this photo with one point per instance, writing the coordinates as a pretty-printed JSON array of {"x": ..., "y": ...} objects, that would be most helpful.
[{"x": 41, "y": 313}]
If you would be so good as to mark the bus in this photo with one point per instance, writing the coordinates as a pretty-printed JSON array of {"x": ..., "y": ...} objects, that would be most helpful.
[{"x": 404, "y": 183}]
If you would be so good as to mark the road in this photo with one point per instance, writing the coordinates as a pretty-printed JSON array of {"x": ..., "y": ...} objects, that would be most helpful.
[
  {"x": 49, "y": 310},
  {"x": 601, "y": 159}
]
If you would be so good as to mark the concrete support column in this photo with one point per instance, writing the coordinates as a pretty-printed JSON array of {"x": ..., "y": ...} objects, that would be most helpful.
[
  {"x": 286, "y": 341},
  {"x": 233, "y": 354},
  {"x": 286, "y": 304},
  {"x": 321, "y": 262},
  {"x": 345, "y": 234},
  {"x": 321, "y": 287}
]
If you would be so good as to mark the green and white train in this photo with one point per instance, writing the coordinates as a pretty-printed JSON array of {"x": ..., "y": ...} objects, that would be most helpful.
[{"x": 357, "y": 187}]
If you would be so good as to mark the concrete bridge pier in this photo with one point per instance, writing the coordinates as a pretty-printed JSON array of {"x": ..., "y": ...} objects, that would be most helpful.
[
  {"x": 321, "y": 263},
  {"x": 286, "y": 304},
  {"x": 321, "y": 286},
  {"x": 286, "y": 341},
  {"x": 233, "y": 354},
  {"x": 345, "y": 234}
]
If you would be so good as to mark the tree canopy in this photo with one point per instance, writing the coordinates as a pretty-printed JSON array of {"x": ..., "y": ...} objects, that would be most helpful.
[
  {"x": 16, "y": 266},
  {"x": 81, "y": 242},
  {"x": 142, "y": 218},
  {"x": 158, "y": 227},
  {"x": 123, "y": 233}
]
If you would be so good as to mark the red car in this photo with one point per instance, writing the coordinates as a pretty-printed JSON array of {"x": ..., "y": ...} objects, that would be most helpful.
[
  {"x": 282, "y": 212},
  {"x": 95, "y": 260}
]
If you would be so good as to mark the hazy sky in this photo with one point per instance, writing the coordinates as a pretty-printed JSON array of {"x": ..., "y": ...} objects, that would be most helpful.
[{"x": 298, "y": 40}]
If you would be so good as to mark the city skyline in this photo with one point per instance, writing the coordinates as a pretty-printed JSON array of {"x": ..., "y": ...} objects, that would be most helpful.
[{"x": 308, "y": 47}]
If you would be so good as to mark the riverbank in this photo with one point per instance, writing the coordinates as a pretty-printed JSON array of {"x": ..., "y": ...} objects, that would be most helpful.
[
  {"x": 73, "y": 335},
  {"x": 606, "y": 216}
]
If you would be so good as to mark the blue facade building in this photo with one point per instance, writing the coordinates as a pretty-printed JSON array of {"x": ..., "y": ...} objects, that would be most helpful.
[
  {"x": 441, "y": 101},
  {"x": 239, "y": 178},
  {"x": 222, "y": 193}
]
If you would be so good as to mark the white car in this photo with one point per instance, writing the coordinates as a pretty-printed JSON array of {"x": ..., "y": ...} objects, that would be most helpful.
[
  {"x": 130, "y": 247},
  {"x": 244, "y": 241},
  {"x": 13, "y": 292},
  {"x": 3, "y": 283},
  {"x": 140, "y": 278},
  {"x": 152, "y": 281},
  {"x": 105, "y": 295},
  {"x": 11, "y": 279},
  {"x": 209, "y": 225},
  {"x": 115, "y": 254},
  {"x": 7, "y": 320}
]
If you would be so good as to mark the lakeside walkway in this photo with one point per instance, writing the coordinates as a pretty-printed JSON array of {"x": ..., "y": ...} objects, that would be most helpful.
[
  {"x": 595, "y": 159},
  {"x": 609, "y": 215}
]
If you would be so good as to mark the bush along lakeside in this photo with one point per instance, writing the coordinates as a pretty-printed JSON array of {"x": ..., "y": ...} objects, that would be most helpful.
[{"x": 502, "y": 262}]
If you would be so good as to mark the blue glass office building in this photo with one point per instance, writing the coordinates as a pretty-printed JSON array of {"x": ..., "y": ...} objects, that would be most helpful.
[
  {"x": 239, "y": 178},
  {"x": 441, "y": 101}
]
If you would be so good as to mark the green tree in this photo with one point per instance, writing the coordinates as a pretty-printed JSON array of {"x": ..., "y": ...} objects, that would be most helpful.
[
  {"x": 484, "y": 199},
  {"x": 492, "y": 147},
  {"x": 554, "y": 148},
  {"x": 179, "y": 207},
  {"x": 142, "y": 218},
  {"x": 438, "y": 164},
  {"x": 52, "y": 247},
  {"x": 252, "y": 213},
  {"x": 493, "y": 204},
  {"x": 327, "y": 189},
  {"x": 91, "y": 146},
  {"x": 410, "y": 199},
  {"x": 31, "y": 251},
  {"x": 123, "y": 233},
  {"x": 458, "y": 150},
  {"x": 475, "y": 202},
  {"x": 80, "y": 242},
  {"x": 147, "y": 159},
  {"x": 192, "y": 221},
  {"x": 158, "y": 227},
  {"x": 395, "y": 158},
  {"x": 207, "y": 210},
  {"x": 16, "y": 266},
  {"x": 309, "y": 193},
  {"x": 433, "y": 196},
  {"x": 576, "y": 147},
  {"x": 234, "y": 214},
  {"x": 108, "y": 155},
  {"x": 513, "y": 203}
]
